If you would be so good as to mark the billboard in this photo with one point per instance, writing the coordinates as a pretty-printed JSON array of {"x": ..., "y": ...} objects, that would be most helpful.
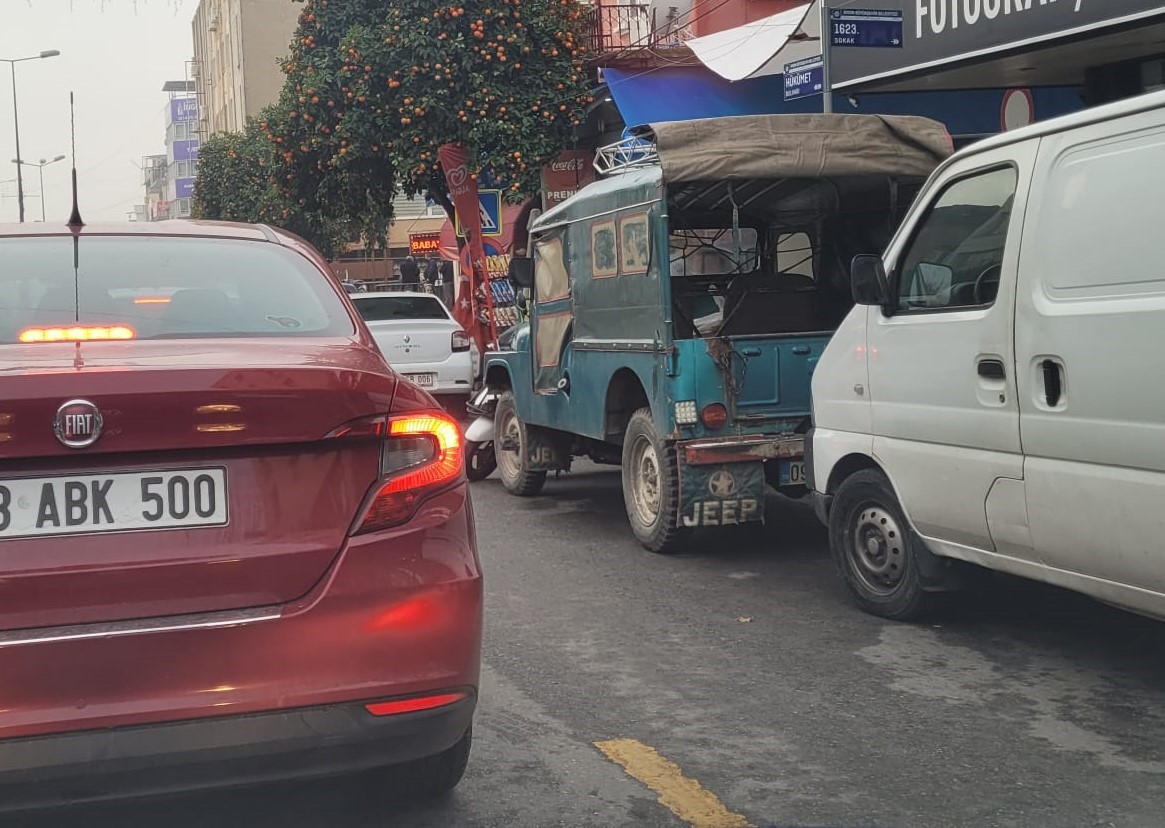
[
  {"x": 183, "y": 109},
  {"x": 183, "y": 188},
  {"x": 186, "y": 150},
  {"x": 566, "y": 175},
  {"x": 937, "y": 32}
]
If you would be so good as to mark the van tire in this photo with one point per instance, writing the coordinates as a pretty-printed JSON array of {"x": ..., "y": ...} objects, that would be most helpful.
[
  {"x": 513, "y": 467},
  {"x": 875, "y": 549},
  {"x": 651, "y": 485}
]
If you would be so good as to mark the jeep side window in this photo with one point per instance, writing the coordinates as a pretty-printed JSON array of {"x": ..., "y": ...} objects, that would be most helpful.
[
  {"x": 956, "y": 256},
  {"x": 551, "y": 281}
]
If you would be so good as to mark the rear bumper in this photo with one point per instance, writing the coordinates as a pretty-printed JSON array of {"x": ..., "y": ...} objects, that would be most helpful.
[
  {"x": 399, "y": 613},
  {"x": 703, "y": 452},
  {"x": 230, "y": 750}
]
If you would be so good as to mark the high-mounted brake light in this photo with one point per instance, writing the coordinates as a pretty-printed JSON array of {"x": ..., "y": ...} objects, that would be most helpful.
[
  {"x": 421, "y": 455},
  {"x": 77, "y": 333}
]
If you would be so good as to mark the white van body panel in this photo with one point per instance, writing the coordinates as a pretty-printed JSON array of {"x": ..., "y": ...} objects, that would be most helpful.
[
  {"x": 986, "y": 470},
  {"x": 1091, "y": 317}
]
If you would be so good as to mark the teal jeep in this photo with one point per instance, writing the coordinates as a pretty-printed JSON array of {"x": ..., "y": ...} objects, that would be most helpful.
[{"x": 680, "y": 304}]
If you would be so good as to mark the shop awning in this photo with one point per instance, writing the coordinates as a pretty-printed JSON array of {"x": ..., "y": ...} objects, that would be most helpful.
[{"x": 764, "y": 46}]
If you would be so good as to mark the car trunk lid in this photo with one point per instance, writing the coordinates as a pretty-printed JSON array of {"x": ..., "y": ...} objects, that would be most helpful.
[
  {"x": 210, "y": 486},
  {"x": 413, "y": 341}
]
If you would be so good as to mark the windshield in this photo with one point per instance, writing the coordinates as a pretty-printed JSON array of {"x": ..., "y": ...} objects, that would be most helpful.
[
  {"x": 165, "y": 287},
  {"x": 389, "y": 308}
]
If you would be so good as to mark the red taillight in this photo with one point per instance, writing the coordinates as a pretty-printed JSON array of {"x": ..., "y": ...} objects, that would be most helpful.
[
  {"x": 77, "y": 333},
  {"x": 392, "y": 708},
  {"x": 460, "y": 341},
  {"x": 422, "y": 453},
  {"x": 714, "y": 416}
]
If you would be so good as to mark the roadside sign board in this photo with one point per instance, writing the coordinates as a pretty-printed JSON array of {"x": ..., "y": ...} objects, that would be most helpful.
[
  {"x": 804, "y": 78},
  {"x": 869, "y": 28},
  {"x": 490, "y": 204}
]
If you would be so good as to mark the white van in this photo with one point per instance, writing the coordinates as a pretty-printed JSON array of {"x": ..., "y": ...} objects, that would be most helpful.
[{"x": 997, "y": 396}]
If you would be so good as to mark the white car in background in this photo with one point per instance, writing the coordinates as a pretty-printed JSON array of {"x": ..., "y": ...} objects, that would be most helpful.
[{"x": 421, "y": 340}]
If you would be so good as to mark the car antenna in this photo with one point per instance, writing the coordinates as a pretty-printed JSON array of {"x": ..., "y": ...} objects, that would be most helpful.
[{"x": 75, "y": 221}]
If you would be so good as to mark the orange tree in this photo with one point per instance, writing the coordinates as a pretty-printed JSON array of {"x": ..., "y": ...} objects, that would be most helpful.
[
  {"x": 374, "y": 87},
  {"x": 236, "y": 182}
]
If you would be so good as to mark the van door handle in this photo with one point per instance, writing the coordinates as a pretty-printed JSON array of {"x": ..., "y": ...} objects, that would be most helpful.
[
  {"x": 992, "y": 369},
  {"x": 750, "y": 352},
  {"x": 801, "y": 350},
  {"x": 1053, "y": 382}
]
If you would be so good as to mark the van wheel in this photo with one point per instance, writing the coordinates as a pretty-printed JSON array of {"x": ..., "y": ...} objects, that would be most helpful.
[
  {"x": 875, "y": 548},
  {"x": 650, "y": 485},
  {"x": 513, "y": 463}
]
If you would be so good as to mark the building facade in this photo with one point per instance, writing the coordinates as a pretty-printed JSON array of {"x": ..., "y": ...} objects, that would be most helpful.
[{"x": 237, "y": 47}]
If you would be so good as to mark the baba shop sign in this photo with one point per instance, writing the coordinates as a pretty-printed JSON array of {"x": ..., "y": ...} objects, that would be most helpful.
[{"x": 424, "y": 244}]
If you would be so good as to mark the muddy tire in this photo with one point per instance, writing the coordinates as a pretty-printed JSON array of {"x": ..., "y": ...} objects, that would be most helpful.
[
  {"x": 651, "y": 486},
  {"x": 513, "y": 464},
  {"x": 875, "y": 549}
]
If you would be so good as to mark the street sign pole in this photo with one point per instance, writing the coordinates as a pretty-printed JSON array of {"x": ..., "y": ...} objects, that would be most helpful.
[{"x": 826, "y": 36}]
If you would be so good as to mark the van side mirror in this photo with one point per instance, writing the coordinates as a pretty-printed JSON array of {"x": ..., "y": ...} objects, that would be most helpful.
[
  {"x": 868, "y": 281},
  {"x": 522, "y": 272}
]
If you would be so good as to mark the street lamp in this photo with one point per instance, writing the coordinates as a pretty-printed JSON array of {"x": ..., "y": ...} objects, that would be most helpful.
[
  {"x": 16, "y": 119},
  {"x": 41, "y": 164}
]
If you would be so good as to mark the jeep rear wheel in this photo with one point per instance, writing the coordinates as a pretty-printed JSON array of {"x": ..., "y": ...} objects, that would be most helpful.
[{"x": 650, "y": 485}]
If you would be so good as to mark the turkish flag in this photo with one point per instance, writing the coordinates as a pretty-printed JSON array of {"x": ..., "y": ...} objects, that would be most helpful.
[{"x": 463, "y": 192}]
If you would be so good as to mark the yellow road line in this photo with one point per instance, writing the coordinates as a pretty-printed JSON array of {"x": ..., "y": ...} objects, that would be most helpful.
[{"x": 682, "y": 796}]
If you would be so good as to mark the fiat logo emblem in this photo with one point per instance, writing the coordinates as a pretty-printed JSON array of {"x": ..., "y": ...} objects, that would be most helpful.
[{"x": 78, "y": 423}]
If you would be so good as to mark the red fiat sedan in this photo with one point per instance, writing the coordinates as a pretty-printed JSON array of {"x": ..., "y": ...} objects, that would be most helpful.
[{"x": 234, "y": 544}]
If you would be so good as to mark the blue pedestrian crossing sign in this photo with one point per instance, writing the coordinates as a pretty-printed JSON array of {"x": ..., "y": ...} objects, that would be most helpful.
[{"x": 489, "y": 202}]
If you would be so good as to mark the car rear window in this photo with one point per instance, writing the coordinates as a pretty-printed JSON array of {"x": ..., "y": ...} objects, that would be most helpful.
[
  {"x": 165, "y": 287},
  {"x": 387, "y": 308}
]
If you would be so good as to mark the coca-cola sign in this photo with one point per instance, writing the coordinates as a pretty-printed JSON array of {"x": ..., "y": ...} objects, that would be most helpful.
[{"x": 566, "y": 175}]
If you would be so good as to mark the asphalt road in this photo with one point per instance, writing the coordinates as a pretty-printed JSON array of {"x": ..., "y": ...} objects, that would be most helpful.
[{"x": 744, "y": 664}]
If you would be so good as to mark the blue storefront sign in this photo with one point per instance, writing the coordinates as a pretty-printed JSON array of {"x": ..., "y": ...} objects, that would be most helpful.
[
  {"x": 184, "y": 188},
  {"x": 804, "y": 78},
  {"x": 870, "y": 28},
  {"x": 183, "y": 110},
  {"x": 186, "y": 150}
]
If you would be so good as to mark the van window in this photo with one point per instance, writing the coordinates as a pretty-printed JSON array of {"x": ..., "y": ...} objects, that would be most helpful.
[
  {"x": 956, "y": 256},
  {"x": 1099, "y": 228}
]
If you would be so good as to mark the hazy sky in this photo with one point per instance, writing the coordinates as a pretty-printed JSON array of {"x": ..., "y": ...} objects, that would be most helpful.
[{"x": 115, "y": 56}]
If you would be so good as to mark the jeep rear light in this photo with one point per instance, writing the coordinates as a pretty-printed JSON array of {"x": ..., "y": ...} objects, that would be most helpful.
[
  {"x": 460, "y": 341},
  {"x": 422, "y": 454},
  {"x": 714, "y": 416}
]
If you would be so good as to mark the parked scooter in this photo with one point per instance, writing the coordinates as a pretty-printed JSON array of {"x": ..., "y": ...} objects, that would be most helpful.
[{"x": 480, "y": 457}]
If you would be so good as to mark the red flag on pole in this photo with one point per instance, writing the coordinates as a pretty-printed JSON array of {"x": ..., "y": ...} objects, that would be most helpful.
[{"x": 463, "y": 192}]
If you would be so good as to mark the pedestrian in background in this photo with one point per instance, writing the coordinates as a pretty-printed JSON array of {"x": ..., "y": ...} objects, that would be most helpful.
[
  {"x": 431, "y": 272},
  {"x": 410, "y": 273},
  {"x": 446, "y": 271}
]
